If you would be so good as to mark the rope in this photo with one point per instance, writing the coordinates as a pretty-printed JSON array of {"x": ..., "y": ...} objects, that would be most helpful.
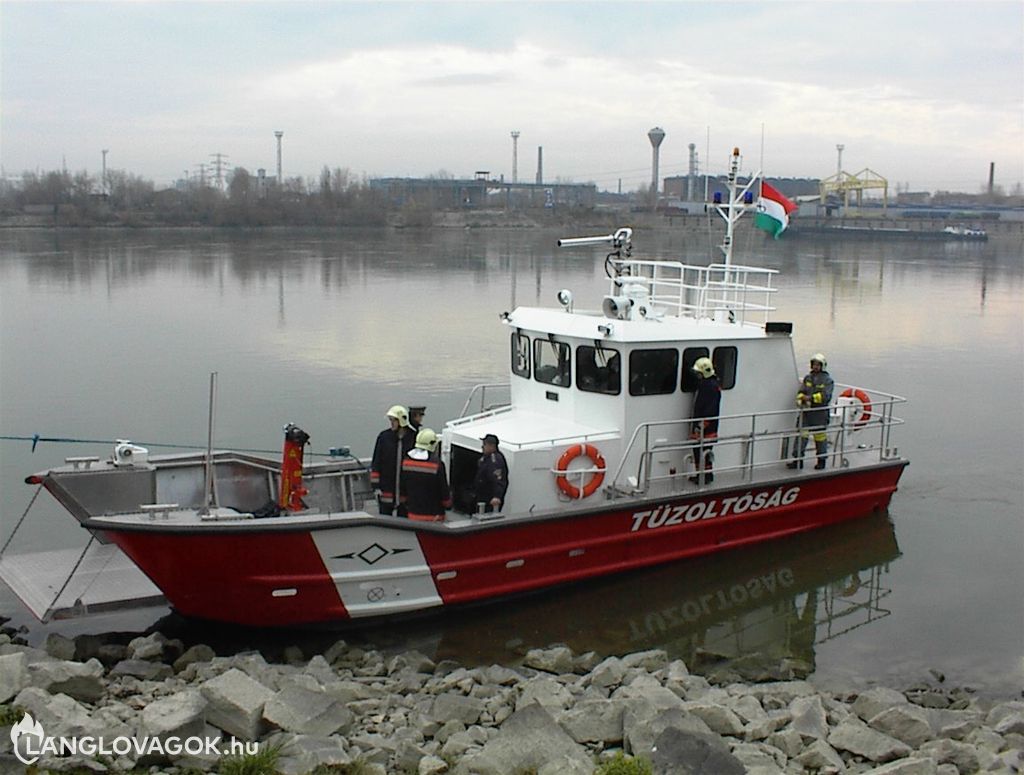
[
  {"x": 11, "y": 536},
  {"x": 36, "y": 438},
  {"x": 74, "y": 570}
]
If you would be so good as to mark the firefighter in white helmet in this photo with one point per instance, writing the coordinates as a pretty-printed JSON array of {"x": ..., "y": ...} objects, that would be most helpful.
[
  {"x": 386, "y": 466},
  {"x": 813, "y": 399},
  {"x": 707, "y": 404}
]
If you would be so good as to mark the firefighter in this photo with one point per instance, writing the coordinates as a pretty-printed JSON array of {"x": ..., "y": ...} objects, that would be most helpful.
[
  {"x": 386, "y": 466},
  {"x": 491, "y": 480},
  {"x": 704, "y": 432},
  {"x": 427, "y": 495},
  {"x": 813, "y": 399},
  {"x": 416, "y": 414}
]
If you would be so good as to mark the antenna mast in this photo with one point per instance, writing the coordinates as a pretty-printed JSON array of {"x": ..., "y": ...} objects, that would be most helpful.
[{"x": 741, "y": 201}]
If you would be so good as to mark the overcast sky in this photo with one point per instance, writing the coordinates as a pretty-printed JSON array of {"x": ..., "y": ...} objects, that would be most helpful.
[{"x": 923, "y": 93}]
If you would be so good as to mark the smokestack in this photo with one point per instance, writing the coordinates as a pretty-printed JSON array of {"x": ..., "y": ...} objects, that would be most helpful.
[
  {"x": 540, "y": 164},
  {"x": 656, "y": 135},
  {"x": 692, "y": 176},
  {"x": 991, "y": 178},
  {"x": 515, "y": 156},
  {"x": 279, "y": 134}
]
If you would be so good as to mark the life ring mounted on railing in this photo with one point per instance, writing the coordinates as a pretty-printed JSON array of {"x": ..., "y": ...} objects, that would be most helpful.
[
  {"x": 562, "y": 478},
  {"x": 859, "y": 396}
]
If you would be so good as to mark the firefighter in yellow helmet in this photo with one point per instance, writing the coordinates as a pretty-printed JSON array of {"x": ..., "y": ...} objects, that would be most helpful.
[
  {"x": 427, "y": 494},
  {"x": 386, "y": 466},
  {"x": 813, "y": 399},
  {"x": 707, "y": 404}
]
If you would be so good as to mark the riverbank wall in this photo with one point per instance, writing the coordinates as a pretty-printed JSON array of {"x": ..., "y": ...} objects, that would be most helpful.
[{"x": 150, "y": 705}]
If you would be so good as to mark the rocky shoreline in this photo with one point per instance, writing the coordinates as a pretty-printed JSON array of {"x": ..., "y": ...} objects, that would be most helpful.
[{"x": 350, "y": 710}]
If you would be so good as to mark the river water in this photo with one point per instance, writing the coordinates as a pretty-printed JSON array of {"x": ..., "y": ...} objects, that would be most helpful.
[{"x": 108, "y": 335}]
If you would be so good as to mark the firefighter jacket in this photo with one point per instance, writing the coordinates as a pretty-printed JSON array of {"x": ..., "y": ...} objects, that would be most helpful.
[
  {"x": 388, "y": 453},
  {"x": 814, "y": 396},
  {"x": 491, "y": 478},
  {"x": 706, "y": 408},
  {"x": 425, "y": 486}
]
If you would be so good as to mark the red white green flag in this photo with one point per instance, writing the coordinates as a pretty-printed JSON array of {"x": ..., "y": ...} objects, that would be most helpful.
[{"x": 773, "y": 210}]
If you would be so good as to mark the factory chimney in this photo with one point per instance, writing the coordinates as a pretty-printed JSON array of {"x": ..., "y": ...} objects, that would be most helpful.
[
  {"x": 515, "y": 156},
  {"x": 692, "y": 173},
  {"x": 991, "y": 178},
  {"x": 656, "y": 135},
  {"x": 540, "y": 164},
  {"x": 279, "y": 134}
]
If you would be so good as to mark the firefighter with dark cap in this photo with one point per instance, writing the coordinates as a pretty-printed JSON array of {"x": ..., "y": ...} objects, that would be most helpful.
[
  {"x": 386, "y": 466},
  {"x": 813, "y": 398},
  {"x": 416, "y": 414},
  {"x": 427, "y": 495},
  {"x": 491, "y": 480},
  {"x": 704, "y": 432}
]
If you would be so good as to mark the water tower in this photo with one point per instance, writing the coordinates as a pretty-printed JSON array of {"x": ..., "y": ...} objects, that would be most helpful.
[{"x": 656, "y": 135}]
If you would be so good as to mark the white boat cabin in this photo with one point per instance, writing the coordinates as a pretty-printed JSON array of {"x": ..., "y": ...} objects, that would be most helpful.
[{"x": 596, "y": 376}]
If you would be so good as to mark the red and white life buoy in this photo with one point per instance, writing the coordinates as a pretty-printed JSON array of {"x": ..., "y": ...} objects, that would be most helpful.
[
  {"x": 596, "y": 477},
  {"x": 865, "y": 406}
]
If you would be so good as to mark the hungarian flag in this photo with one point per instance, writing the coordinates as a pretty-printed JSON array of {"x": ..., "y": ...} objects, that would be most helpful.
[{"x": 773, "y": 210}]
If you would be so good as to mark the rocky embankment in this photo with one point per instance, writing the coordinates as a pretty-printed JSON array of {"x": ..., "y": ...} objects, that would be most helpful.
[{"x": 350, "y": 710}]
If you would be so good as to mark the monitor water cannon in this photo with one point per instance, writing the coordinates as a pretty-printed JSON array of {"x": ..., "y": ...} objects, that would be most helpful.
[{"x": 632, "y": 301}]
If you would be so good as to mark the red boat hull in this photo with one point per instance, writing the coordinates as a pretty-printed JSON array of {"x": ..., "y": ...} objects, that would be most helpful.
[{"x": 237, "y": 575}]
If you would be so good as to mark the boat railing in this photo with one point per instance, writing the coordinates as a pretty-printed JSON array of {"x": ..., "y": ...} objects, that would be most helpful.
[
  {"x": 486, "y": 397},
  {"x": 851, "y": 432},
  {"x": 741, "y": 293}
]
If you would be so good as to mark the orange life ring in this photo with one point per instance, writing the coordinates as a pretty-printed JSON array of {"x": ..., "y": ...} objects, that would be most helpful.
[
  {"x": 567, "y": 457},
  {"x": 861, "y": 396}
]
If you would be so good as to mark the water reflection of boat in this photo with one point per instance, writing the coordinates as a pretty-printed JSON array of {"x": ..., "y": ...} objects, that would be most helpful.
[{"x": 749, "y": 610}]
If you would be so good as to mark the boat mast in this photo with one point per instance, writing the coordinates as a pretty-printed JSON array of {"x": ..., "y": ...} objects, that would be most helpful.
[{"x": 741, "y": 201}]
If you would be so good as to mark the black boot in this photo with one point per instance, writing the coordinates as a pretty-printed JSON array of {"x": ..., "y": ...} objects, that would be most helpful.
[
  {"x": 795, "y": 464},
  {"x": 821, "y": 447}
]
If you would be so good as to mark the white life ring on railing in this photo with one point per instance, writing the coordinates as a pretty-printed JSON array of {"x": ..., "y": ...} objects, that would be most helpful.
[
  {"x": 858, "y": 395},
  {"x": 562, "y": 479}
]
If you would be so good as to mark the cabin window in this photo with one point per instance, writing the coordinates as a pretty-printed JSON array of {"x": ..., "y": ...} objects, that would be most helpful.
[
  {"x": 653, "y": 372},
  {"x": 690, "y": 356},
  {"x": 725, "y": 359},
  {"x": 598, "y": 370},
  {"x": 551, "y": 362},
  {"x": 521, "y": 355}
]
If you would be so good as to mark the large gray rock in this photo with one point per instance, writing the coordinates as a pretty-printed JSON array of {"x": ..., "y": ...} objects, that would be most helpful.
[
  {"x": 557, "y": 659},
  {"x": 236, "y": 704},
  {"x": 872, "y": 702},
  {"x": 142, "y": 669},
  {"x": 594, "y": 721},
  {"x": 652, "y": 660},
  {"x": 546, "y": 692},
  {"x": 608, "y": 673},
  {"x": 75, "y": 679},
  {"x": 859, "y": 739},
  {"x": 819, "y": 756},
  {"x": 676, "y": 752},
  {"x": 529, "y": 738},
  {"x": 147, "y": 647},
  {"x": 14, "y": 675},
  {"x": 302, "y": 711},
  {"x": 962, "y": 755},
  {"x": 302, "y": 754},
  {"x": 719, "y": 718},
  {"x": 759, "y": 759},
  {"x": 643, "y": 722},
  {"x": 179, "y": 715},
  {"x": 448, "y": 707},
  {"x": 908, "y": 723},
  {"x": 809, "y": 718},
  {"x": 913, "y": 766},
  {"x": 198, "y": 653},
  {"x": 59, "y": 646}
]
